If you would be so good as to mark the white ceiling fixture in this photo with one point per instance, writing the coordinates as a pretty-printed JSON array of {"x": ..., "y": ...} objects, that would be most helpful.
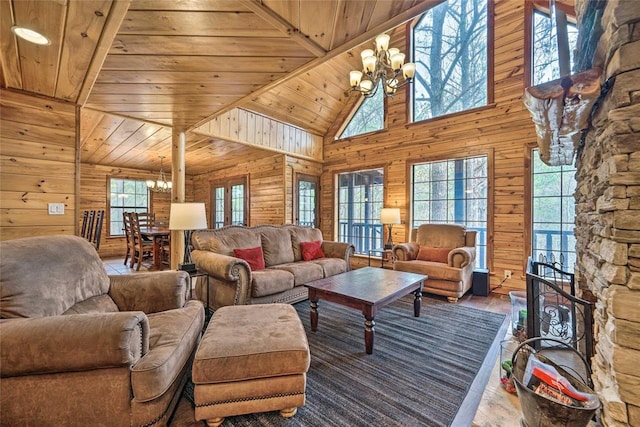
[{"x": 30, "y": 35}]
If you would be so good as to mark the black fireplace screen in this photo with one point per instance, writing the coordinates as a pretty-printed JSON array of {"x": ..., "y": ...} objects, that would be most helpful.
[{"x": 554, "y": 310}]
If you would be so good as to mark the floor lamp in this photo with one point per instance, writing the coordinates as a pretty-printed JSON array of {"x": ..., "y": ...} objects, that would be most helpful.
[
  {"x": 187, "y": 217},
  {"x": 389, "y": 216}
]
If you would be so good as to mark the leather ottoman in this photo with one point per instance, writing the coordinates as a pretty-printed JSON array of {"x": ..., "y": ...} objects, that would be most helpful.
[{"x": 252, "y": 358}]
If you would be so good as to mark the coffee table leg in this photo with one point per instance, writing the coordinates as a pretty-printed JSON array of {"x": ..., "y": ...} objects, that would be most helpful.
[
  {"x": 417, "y": 303},
  {"x": 369, "y": 332},
  {"x": 314, "y": 315}
]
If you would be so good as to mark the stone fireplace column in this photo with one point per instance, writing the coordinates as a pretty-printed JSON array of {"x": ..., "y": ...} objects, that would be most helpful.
[{"x": 608, "y": 213}]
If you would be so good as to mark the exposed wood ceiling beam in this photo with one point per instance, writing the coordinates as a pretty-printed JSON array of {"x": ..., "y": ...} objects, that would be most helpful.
[
  {"x": 274, "y": 19},
  {"x": 405, "y": 16},
  {"x": 117, "y": 13}
]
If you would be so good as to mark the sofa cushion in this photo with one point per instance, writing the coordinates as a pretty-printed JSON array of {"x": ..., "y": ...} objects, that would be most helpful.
[
  {"x": 93, "y": 305},
  {"x": 441, "y": 235},
  {"x": 311, "y": 250},
  {"x": 270, "y": 281},
  {"x": 331, "y": 266},
  {"x": 276, "y": 245},
  {"x": 253, "y": 256},
  {"x": 427, "y": 253},
  {"x": 303, "y": 271},
  {"x": 303, "y": 234},
  {"x": 434, "y": 270},
  {"x": 224, "y": 241},
  {"x": 272, "y": 343},
  {"x": 68, "y": 271},
  {"x": 173, "y": 335}
]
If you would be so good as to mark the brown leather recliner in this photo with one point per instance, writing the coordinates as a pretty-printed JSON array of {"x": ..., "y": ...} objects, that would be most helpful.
[
  {"x": 446, "y": 253},
  {"x": 80, "y": 348}
]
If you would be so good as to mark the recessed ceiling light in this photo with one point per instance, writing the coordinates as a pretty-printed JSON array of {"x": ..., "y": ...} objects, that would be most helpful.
[{"x": 30, "y": 35}]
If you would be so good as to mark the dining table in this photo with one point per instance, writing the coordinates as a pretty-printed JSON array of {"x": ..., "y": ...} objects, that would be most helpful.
[{"x": 157, "y": 234}]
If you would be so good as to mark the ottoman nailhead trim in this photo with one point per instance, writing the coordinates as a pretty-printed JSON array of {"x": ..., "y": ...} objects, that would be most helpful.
[{"x": 246, "y": 399}]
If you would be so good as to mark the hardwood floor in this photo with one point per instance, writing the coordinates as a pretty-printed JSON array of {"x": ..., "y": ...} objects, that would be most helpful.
[{"x": 487, "y": 404}]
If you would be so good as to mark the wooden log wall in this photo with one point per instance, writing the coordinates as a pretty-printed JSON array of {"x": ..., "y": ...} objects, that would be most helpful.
[
  {"x": 502, "y": 130},
  {"x": 266, "y": 188},
  {"x": 38, "y": 152},
  {"x": 94, "y": 192},
  {"x": 246, "y": 127}
]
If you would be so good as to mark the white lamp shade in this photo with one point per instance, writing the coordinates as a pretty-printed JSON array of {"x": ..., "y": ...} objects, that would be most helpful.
[
  {"x": 390, "y": 215},
  {"x": 409, "y": 70},
  {"x": 382, "y": 42},
  {"x": 355, "y": 77},
  {"x": 187, "y": 216}
]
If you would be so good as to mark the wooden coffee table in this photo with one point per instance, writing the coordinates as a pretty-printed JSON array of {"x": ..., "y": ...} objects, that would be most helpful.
[{"x": 367, "y": 289}]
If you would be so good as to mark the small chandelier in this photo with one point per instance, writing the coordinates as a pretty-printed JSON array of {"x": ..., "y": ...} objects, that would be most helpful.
[
  {"x": 161, "y": 185},
  {"x": 384, "y": 66}
]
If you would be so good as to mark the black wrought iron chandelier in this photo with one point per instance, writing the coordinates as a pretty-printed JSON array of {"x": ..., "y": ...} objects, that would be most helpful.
[
  {"x": 383, "y": 67},
  {"x": 161, "y": 185}
]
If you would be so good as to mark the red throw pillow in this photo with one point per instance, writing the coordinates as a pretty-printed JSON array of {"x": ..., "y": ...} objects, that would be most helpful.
[
  {"x": 433, "y": 254},
  {"x": 253, "y": 256},
  {"x": 311, "y": 250}
]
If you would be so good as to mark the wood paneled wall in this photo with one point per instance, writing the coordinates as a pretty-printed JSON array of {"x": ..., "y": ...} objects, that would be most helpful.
[
  {"x": 38, "y": 155},
  {"x": 246, "y": 127},
  {"x": 501, "y": 130},
  {"x": 94, "y": 192},
  {"x": 266, "y": 188}
]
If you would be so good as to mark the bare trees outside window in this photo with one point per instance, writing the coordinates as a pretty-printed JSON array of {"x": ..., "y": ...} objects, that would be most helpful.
[
  {"x": 368, "y": 118},
  {"x": 545, "y": 61},
  {"x": 453, "y": 191},
  {"x": 450, "y": 52}
]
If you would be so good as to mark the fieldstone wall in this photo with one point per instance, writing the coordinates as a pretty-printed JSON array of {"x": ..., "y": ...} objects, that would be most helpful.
[{"x": 608, "y": 214}]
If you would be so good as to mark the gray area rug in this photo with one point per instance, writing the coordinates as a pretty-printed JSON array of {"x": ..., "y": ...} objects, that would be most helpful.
[{"x": 418, "y": 375}]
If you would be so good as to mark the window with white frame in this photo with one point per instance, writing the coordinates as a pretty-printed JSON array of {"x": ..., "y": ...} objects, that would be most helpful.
[
  {"x": 369, "y": 117},
  {"x": 453, "y": 192},
  {"x": 451, "y": 56},
  {"x": 360, "y": 198},
  {"x": 125, "y": 195},
  {"x": 553, "y": 213},
  {"x": 545, "y": 61}
]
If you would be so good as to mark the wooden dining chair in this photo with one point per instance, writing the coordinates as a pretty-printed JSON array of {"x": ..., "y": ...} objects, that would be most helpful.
[
  {"x": 128, "y": 233},
  {"x": 92, "y": 226},
  {"x": 139, "y": 249},
  {"x": 146, "y": 219}
]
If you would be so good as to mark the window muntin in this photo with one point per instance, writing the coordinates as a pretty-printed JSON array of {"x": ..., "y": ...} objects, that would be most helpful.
[
  {"x": 307, "y": 201},
  {"x": 229, "y": 202},
  {"x": 125, "y": 195},
  {"x": 553, "y": 212},
  {"x": 368, "y": 118},
  {"x": 360, "y": 198},
  {"x": 545, "y": 61},
  {"x": 453, "y": 191},
  {"x": 450, "y": 51}
]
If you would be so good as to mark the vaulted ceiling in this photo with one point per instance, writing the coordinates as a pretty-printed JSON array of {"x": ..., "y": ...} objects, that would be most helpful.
[{"x": 140, "y": 68}]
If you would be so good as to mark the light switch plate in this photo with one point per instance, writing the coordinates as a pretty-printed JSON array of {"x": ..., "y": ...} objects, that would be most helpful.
[{"x": 56, "y": 208}]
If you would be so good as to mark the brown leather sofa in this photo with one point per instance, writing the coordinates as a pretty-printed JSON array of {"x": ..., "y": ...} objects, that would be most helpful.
[
  {"x": 233, "y": 282},
  {"x": 80, "y": 348},
  {"x": 446, "y": 253}
]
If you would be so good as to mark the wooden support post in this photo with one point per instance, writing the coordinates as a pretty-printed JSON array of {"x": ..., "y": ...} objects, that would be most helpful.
[{"x": 178, "y": 147}]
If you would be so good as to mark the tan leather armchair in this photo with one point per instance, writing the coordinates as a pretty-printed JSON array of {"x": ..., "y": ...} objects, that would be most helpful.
[
  {"x": 81, "y": 348},
  {"x": 446, "y": 253}
]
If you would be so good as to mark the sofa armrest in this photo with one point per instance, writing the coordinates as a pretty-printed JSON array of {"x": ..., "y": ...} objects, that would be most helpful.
[
  {"x": 332, "y": 249},
  {"x": 150, "y": 292},
  {"x": 406, "y": 251},
  {"x": 75, "y": 342},
  {"x": 226, "y": 271},
  {"x": 461, "y": 257}
]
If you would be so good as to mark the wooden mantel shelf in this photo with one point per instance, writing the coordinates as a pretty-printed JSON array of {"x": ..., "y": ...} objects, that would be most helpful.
[{"x": 560, "y": 110}]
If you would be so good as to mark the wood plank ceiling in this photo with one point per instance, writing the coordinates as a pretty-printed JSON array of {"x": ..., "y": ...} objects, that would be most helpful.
[{"x": 142, "y": 67}]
